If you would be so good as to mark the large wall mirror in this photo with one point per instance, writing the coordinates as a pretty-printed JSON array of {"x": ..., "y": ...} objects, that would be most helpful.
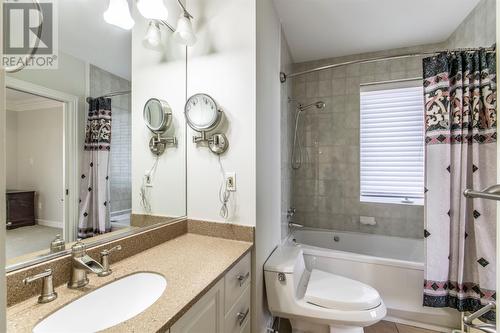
[{"x": 78, "y": 158}]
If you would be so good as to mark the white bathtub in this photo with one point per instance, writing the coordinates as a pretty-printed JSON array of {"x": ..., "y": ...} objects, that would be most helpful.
[{"x": 392, "y": 265}]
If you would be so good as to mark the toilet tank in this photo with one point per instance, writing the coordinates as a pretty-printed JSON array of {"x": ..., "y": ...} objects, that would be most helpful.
[{"x": 287, "y": 262}]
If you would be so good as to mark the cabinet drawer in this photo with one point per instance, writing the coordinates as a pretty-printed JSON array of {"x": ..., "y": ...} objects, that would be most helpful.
[
  {"x": 236, "y": 281},
  {"x": 238, "y": 318}
]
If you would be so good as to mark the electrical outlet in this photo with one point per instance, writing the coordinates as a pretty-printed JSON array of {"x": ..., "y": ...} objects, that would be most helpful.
[
  {"x": 147, "y": 180},
  {"x": 231, "y": 181}
]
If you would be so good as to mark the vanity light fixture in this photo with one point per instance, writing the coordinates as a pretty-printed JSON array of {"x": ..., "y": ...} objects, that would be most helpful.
[
  {"x": 152, "y": 9},
  {"x": 118, "y": 14}
]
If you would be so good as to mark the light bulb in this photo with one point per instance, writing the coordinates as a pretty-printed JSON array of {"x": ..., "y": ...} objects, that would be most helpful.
[
  {"x": 153, "y": 34},
  {"x": 184, "y": 33},
  {"x": 118, "y": 14},
  {"x": 152, "y": 9}
]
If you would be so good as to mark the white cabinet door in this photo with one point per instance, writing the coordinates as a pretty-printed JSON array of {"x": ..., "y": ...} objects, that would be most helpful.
[{"x": 206, "y": 316}]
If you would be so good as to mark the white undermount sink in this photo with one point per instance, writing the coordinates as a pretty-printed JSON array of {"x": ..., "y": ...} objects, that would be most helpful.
[{"x": 107, "y": 306}]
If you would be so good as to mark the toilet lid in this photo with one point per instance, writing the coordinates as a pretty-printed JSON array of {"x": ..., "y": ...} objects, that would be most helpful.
[{"x": 337, "y": 292}]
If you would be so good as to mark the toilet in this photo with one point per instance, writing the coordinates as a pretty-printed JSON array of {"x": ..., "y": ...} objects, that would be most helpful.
[{"x": 316, "y": 301}]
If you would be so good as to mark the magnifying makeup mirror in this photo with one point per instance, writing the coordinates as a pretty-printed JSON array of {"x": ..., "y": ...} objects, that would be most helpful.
[
  {"x": 203, "y": 115},
  {"x": 158, "y": 118},
  {"x": 157, "y": 115}
]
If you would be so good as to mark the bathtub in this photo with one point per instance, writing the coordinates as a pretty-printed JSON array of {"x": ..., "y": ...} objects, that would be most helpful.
[{"x": 392, "y": 265}]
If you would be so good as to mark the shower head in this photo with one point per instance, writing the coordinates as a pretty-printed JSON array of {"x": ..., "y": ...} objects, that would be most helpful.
[{"x": 319, "y": 105}]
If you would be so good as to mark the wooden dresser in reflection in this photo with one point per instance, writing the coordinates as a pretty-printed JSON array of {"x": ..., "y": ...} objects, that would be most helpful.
[{"x": 20, "y": 208}]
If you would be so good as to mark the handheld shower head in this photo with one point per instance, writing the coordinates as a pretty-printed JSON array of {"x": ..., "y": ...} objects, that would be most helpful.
[{"x": 319, "y": 105}]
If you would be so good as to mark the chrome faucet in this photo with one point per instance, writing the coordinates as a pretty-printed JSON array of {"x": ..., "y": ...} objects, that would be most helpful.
[
  {"x": 290, "y": 213},
  {"x": 81, "y": 264}
]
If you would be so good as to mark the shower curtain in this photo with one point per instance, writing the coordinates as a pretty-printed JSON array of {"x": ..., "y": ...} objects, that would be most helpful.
[
  {"x": 94, "y": 183},
  {"x": 460, "y": 146}
]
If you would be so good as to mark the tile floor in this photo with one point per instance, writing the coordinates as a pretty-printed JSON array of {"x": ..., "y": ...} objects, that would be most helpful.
[
  {"x": 29, "y": 239},
  {"x": 380, "y": 327}
]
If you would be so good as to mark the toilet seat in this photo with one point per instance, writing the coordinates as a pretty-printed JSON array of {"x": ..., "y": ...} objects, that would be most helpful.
[{"x": 340, "y": 293}]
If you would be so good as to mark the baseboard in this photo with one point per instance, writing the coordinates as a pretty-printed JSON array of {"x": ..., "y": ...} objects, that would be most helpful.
[
  {"x": 48, "y": 223},
  {"x": 121, "y": 212}
]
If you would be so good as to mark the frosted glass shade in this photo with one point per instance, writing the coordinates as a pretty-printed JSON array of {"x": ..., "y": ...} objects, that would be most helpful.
[
  {"x": 184, "y": 33},
  {"x": 152, "y": 9},
  {"x": 118, "y": 14},
  {"x": 153, "y": 35}
]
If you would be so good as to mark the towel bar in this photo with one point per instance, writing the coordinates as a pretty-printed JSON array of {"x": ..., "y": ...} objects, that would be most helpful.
[
  {"x": 489, "y": 193},
  {"x": 488, "y": 328}
]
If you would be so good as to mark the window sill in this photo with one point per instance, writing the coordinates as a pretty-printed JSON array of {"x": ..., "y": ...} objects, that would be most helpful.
[{"x": 393, "y": 201}]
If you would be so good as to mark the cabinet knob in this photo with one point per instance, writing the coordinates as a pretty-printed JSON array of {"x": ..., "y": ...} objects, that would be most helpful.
[
  {"x": 242, "y": 278},
  {"x": 242, "y": 316}
]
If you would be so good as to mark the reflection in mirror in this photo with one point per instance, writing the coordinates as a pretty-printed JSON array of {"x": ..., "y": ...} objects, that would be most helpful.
[
  {"x": 158, "y": 118},
  {"x": 69, "y": 138},
  {"x": 157, "y": 115}
]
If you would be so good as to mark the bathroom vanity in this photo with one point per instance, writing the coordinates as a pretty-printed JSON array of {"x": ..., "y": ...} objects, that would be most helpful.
[
  {"x": 224, "y": 308},
  {"x": 207, "y": 284}
]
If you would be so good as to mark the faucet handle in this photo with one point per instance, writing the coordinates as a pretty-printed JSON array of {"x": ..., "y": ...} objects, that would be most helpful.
[
  {"x": 105, "y": 260},
  {"x": 113, "y": 249},
  {"x": 48, "y": 294}
]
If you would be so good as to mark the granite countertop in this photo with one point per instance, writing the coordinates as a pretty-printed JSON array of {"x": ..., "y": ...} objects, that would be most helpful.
[{"x": 191, "y": 263}]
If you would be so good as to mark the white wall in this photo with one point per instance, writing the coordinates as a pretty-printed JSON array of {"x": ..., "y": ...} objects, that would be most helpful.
[
  {"x": 11, "y": 150},
  {"x": 268, "y": 226},
  {"x": 35, "y": 148},
  {"x": 222, "y": 64},
  {"x": 287, "y": 128},
  {"x": 160, "y": 74}
]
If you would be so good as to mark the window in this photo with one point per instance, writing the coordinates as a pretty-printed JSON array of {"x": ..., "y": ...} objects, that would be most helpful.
[{"x": 392, "y": 142}]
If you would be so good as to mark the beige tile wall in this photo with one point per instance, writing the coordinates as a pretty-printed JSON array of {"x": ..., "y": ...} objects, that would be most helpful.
[
  {"x": 478, "y": 29},
  {"x": 327, "y": 188}
]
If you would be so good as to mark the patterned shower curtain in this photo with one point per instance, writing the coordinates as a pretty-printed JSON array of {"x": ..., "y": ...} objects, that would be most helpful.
[
  {"x": 460, "y": 119},
  {"x": 94, "y": 183}
]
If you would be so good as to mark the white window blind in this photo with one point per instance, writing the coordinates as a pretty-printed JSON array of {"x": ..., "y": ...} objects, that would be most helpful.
[{"x": 392, "y": 142}]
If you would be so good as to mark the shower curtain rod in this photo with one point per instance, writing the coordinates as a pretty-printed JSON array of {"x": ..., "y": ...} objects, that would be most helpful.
[
  {"x": 284, "y": 76},
  {"x": 116, "y": 93}
]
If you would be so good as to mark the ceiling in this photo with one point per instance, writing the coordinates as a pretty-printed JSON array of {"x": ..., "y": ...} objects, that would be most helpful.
[
  {"x": 84, "y": 35},
  {"x": 319, "y": 29},
  {"x": 20, "y": 101}
]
